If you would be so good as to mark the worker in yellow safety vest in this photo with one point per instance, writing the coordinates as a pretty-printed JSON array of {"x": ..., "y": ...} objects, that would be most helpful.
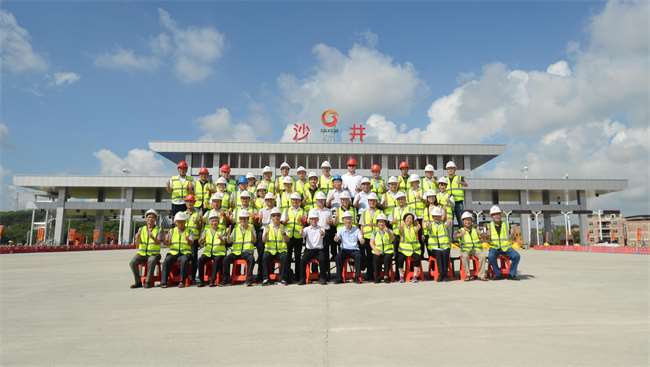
[
  {"x": 275, "y": 239},
  {"x": 147, "y": 241},
  {"x": 221, "y": 186},
  {"x": 446, "y": 201},
  {"x": 377, "y": 184},
  {"x": 471, "y": 245},
  {"x": 203, "y": 191},
  {"x": 429, "y": 180},
  {"x": 242, "y": 239},
  {"x": 456, "y": 185},
  {"x": 438, "y": 244},
  {"x": 388, "y": 201},
  {"x": 194, "y": 224},
  {"x": 224, "y": 171},
  {"x": 252, "y": 182},
  {"x": 309, "y": 193},
  {"x": 402, "y": 179},
  {"x": 501, "y": 244},
  {"x": 382, "y": 249},
  {"x": 213, "y": 241},
  {"x": 179, "y": 187},
  {"x": 409, "y": 246},
  {"x": 294, "y": 218},
  {"x": 325, "y": 181},
  {"x": 179, "y": 240},
  {"x": 368, "y": 223},
  {"x": 267, "y": 178},
  {"x": 284, "y": 175},
  {"x": 301, "y": 182}
]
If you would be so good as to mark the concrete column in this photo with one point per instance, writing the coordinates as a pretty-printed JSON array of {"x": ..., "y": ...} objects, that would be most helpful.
[
  {"x": 440, "y": 166},
  {"x": 384, "y": 166},
  {"x": 59, "y": 224},
  {"x": 584, "y": 229},
  {"x": 215, "y": 165},
  {"x": 128, "y": 216},
  {"x": 467, "y": 161},
  {"x": 547, "y": 226},
  {"x": 525, "y": 228},
  {"x": 272, "y": 164},
  {"x": 99, "y": 225}
]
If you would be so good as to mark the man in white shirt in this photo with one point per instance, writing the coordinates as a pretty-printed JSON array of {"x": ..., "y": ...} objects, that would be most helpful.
[
  {"x": 334, "y": 195},
  {"x": 326, "y": 221},
  {"x": 361, "y": 200},
  {"x": 352, "y": 180},
  {"x": 314, "y": 248},
  {"x": 349, "y": 237}
]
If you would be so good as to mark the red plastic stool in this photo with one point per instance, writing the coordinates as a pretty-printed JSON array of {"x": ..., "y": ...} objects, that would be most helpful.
[
  {"x": 175, "y": 275},
  {"x": 504, "y": 265},
  {"x": 207, "y": 271},
  {"x": 309, "y": 275},
  {"x": 273, "y": 276},
  {"x": 472, "y": 272},
  {"x": 348, "y": 270},
  {"x": 408, "y": 274},
  {"x": 239, "y": 270},
  {"x": 143, "y": 269}
]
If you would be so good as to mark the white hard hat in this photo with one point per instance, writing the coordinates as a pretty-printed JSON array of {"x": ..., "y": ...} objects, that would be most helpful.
[
  {"x": 287, "y": 180},
  {"x": 437, "y": 211},
  {"x": 365, "y": 180},
  {"x": 382, "y": 217},
  {"x": 245, "y": 194},
  {"x": 261, "y": 186},
  {"x": 285, "y": 165},
  {"x": 325, "y": 164},
  {"x": 222, "y": 180},
  {"x": 243, "y": 214},
  {"x": 275, "y": 211},
  {"x": 345, "y": 195},
  {"x": 151, "y": 211},
  {"x": 180, "y": 216},
  {"x": 443, "y": 180},
  {"x": 429, "y": 193},
  {"x": 301, "y": 169},
  {"x": 250, "y": 175},
  {"x": 313, "y": 213},
  {"x": 312, "y": 174},
  {"x": 372, "y": 196},
  {"x": 413, "y": 178},
  {"x": 320, "y": 196},
  {"x": 217, "y": 196},
  {"x": 392, "y": 179},
  {"x": 213, "y": 214},
  {"x": 428, "y": 168},
  {"x": 295, "y": 196},
  {"x": 346, "y": 214},
  {"x": 467, "y": 215},
  {"x": 269, "y": 196},
  {"x": 495, "y": 209},
  {"x": 267, "y": 169},
  {"x": 450, "y": 164},
  {"x": 400, "y": 195}
]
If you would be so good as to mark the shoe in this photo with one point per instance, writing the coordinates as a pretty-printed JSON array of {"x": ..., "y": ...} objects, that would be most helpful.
[
  {"x": 498, "y": 277},
  {"x": 401, "y": 280},
  {"x": 212, "y": 284},
  {"x": 181, "y": 285},
  {"x": 467, "y": 279},
  {"x": 414, "y": 280},
  {"x": 248, "y": 283},
  {"x": 338, "y": 281},
  {"x": 386, "y": 279},
  {"x": 147, "y": 285},
  {"x": 163, "y": 286},
  {"x": 302, "y": 282},
  {"x": 377, "y": 281},
  {"x": 322, "y": 282},
  {"x": 514, "y": 277},
  {"x": 284, "y": 282},
  {"x": 134, "y": 286},
  {"x": 202, "y": 284},
  {"x": 265, "y": 282},
  {"x": 484, "y": 279}
]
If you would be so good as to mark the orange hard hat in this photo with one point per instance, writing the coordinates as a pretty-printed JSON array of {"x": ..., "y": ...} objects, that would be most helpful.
[
  {"x": 182, "y": 164},
  {"x": 190, "y": 198},
  {"x": 352, "y": 162},
  {"x": 403, "y": 165},
  {"x": 204, "y": 170},
  {"x": 225, "y": 168},
  {"x": 375, "y": 168}
]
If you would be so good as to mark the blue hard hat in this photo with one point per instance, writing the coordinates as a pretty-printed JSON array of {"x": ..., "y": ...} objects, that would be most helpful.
[
  {"x": 337, "y": 178},
  {"x": 242, "y": 180}
]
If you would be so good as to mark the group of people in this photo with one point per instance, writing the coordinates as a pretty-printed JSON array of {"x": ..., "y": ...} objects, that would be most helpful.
[{"x": 367, "y": 222}]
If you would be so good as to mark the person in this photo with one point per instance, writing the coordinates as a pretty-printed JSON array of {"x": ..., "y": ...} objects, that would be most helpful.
[
  {"x": 314, "y": 248},
  {"x": 267, "y": 178},
  {"x": 147, "y": 241},
  {"x": 377, "y": 184},
  {"x": 309, "y": 193},
  {"x": 427, "y": 217},
  {"x": 388, "y": 201},
  {"x": 470, "y": 245},
  {"x": 349, "y": 236},
  {"x": 213, "y": 241},
  {"x": 326, "y": 221},
  {"x": 429, "y": 180},
  {"x": 301, "y": 182},
  {"x": 409, "y": 245},
  {"x": 382, "y": 249},
  {"x": 368, "y": 223},
  {"x": 242, "y": 187},
  {"x": 334, "y": 195},
  {"x": 446, "y": 201},
  {"x": 252, "y": 182},
  {"x": 216, "y": 203},
  {"x": 221, "y": 188},
  {"x": 264, "y": 216},
  {"x": 179, "y": 240},
  {"x": 224, "y": 171},
  {"x": 346, "y": 206},
  {"x": 259, "y": 203},
  {"x": 402, "y": 179},
  {"x": 244, "y": 206},
  {"x": 284, "y": 177},
  {"x": 293, "y": 219},
  {"x": 194, "y": 223},
  {"x": 179, "y": 187},
  {"x": 361, "y": 198},
  {"x": 456, "y": 185},
  {"x": 325, "y": 181},
  {"x": 438, "y": 241},
  {"x": 500, "y": 244},
  {"x": 275, "y": 240},
  {"x": 415, "y": 196},
  {"x": 241, "y": 239},
  {"x": 202, "y": 191},
  {"x": 352, "y": 180},
  {"x": 284, "y": 198},
  {"x": 397, "y": 217}
]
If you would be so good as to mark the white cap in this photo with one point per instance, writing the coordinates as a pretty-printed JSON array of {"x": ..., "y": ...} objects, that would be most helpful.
[
  {"x": 243, "y": 214},
  {"x": 382, "y": 217},
  {"x": 346, "y": 214},
  {"x": 450, "y": 164},
  {"x": 467, "y": 215},
  {"x": 151, "y": 211},
  {"x": 250, "y": 175},
  {"x": 345, "y": 195},
  {"x": 365, "y": 180},
  {"x": 429, "y": 193},
  {"x": 372, "y": 196},
  {"x": 267, "y": 169},
  {"x": 443, "y": 180},
  {"x": 428, "y": 168},
  {"x": 295, "y": 196},
  {"x": 287, "y": 180},
  {"x": 495, "y": 209},
  {"x": 213, "y": 214},
  {"x": 392, "y": 179},
  {"x": 313, "y": 213},
  {"x": 245, "y": 194},
  {"x": 400, "y": 195},
  {"x": 285, "y": 165},
  {"x": 326, "y": 164},
  {"x": 269, "y": 196},
  {"x": 217, "y": 196},
  {"x": 320, "y": 196},
  {"x": 261, "y": 186},
  {"x": 301, "y": 169},
  {"x": 222, "y": 180},
  {"x": 413, "y": 178},
  {"x": 312, "y": 174},
  {"x": 275, "y": 211},
  {"x": 182, "y": 216},
  {"x": 437, "y": 211}
]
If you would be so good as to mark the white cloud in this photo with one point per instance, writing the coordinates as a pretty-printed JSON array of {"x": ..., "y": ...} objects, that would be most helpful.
[
  {"x": 560, "y": 68},
  {"x": 126, "y": 60},
  {"x": 137, "y": 162},
  {"x": 219, "y": 126},
  {"x": 16, "y": 53},
  {"x": 65, "y": 78}
]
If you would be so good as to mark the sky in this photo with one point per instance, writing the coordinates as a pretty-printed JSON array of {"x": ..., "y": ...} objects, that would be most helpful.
[{"x": 86, "y": 85}]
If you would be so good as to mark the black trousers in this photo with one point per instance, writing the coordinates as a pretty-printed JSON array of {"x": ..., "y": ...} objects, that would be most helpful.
[
  {"x": 329, "y": 239},
  {"x": 250, "y": 261},
  {"x": 366, "y": 259},
  {"x": 293, "y": 255},
  {"x": 151, "y": 262},
  {"x": 323, "y": 261},
  {"x": 217, "y": 266},
  {"x": 170, "y": 260},
  {"x": 267, "y": 264},
  {"x": 195, "y": 259},
  {"x": 421, "y": 237},
  {"x": 442, "y": 261},
  {"x": 340, "y": 259},
  {"x": 384, "y": 259},
  {"x": 401, "y": 259},
  {"x": 396, "y": 242},
  {"x": 259, "y": 245}
]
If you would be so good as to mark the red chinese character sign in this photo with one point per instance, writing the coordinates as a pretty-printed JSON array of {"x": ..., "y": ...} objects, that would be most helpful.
[
  {"x": 300, "y": 132},
  {"x": 357, "y": 131}
]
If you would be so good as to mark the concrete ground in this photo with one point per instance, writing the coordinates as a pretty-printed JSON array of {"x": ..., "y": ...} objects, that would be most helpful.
[{"x": 572, "y": 309}]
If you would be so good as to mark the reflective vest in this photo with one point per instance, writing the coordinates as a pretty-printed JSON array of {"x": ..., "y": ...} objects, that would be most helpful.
[
  {"x": 242, "y": 241},
  {"x": 231, "y": 186},
  {"x": 294, "y": 221},
  {"x": 259, "y": 203},
  {"x": 438, "y": 237},
  {"x": 409, "y": 243},
  {"x": 499, "y": 240},
  {"x": 389, "y": 203},
  {"x": 193, "y": 223},
  {"x": 180, "y": 189},
  {"x": 414, "y": 203},
  {"x": 236, "y": 211},
  {"x": 456, "y": 188},
  {"x": 284, "y": 201},
  {"x": 147, "y": 246},
  {"x": 179, "y": 242},
  {"x": 221, "y": 226},
  {"x": 225, "y": 202},
  {"x": 279, "y": 186},
  {"x": 443, "y": 200},
  {"x": 309, "y": 201},
  {"x": 377, "y": 186},
  {"x": 214, "y": 246},
  {"x": 238, "y": 198},
  {"x": 275, "y": 241},
  {"x": 339, "y": 216},
  {"x": 300, "y": 186},
  {"x": 325, "y": 183},
  {"x": 383, "y": 242},
  {"x": 429, "y": 184},
  {"x": 470, "y": 241},
  {"x": 369, "y": 222},
  {"x": 398, "y": 214},
  {"x": 402, "y": 183},
  {"x": 202, "y": 193},
  {"x": 270, "y": 186}
]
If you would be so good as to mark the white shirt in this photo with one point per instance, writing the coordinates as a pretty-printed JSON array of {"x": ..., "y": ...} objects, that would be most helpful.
[
  {"x": 362, "y": 200},
  {"x": 266, "y": 215},
  {"x": 335, "y": 197},
  {"x": 313, "y": 237},
  {"x": 323, "y": 217},
  {"x": 351, "y": 182}
]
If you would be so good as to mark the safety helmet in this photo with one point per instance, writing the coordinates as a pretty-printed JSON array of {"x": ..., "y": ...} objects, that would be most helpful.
[
  {"x": 375, "y": 168},
  {"x": 301, "y": 169},
  {"x": 337, "y": 178},
  {"x": 269, "y": 196},
  {"x": 450, "y": 164},
  {"x": 437, "y": 211},
  {"x": 392, "y": 179},
  {"x": 414, "y": 178},
  {"x": 225, "y": 168},
  {"x": 180, "y": 217},
  {"x": 495, "y": 209},
  {"x": 429, "y": 193},
  {"x": 428, "y": 168},
  {"x": 467, "y": 215},
  {"x": 182, "y": 164},
  {"x": 222, "y": 180},
  {"x": 275, "y": 211},
  {"x": 352, "y": 162},
  {"x": 320, "y": 196},
  {"x": 217, "y": 196},
  {"x": 204, "y": 171},
  {"x": 242, "y": 180},
  {"x": 151, "y": 211},
  {"x": 372, "y": 196},
  {"x": 403, "y": 165},
  {"x": 190, "y": 198},
  {"x": 267, "y": 169},
  {"x": 285, "y": 165},
  {"x": 325, "y": 164},
  {"x": 295, "y": 196},
  {"x": 442, "y": 180},
  {"x": 243, "y": 214},
  {"x": 245, "y": 194}
]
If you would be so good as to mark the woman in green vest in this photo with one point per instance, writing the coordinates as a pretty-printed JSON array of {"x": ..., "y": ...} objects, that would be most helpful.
[
  {"x": 438, "y": 244},
  {"x": 179, "y": 240},
  {"x": 368, "y": 222},
  {"x": 409, "y": 245},
  {"x": 275, "y": 240},
  {"x": 147, "y": 241},
  {"x": 396, "y": 218},
  {"x": 213, "y": 241},
  {"x": 382, "y": 248},
  {"x": 471, "y": 245}
]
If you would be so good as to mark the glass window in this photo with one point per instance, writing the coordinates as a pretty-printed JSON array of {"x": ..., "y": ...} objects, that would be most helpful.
[
  {"x": 302, "y": 161},
  {"x": 223, "y": 159},
  {"x": 392, "y": 162},
  {"x": 208, "y": 159},
  {"x": 335, "y": 161},
  {"x": 446, "y": 159},
  {"x": 322, "y": 158},
  {"x": 196, "y": 160},
  {"x": 244, "y": 160},
  {"x": 413, "y": 162},
  {"x": 234, "y": 160},
  {"x": 422, "y": 161},
  {"x": 291, "y": 159},
  {"x": 366, "y": 161},
  {"x": 279, "y": 158},
  {"x": 376, "y": 159},
  {"x": 255, "y": 160},
  {"x": 265, "y": 160},
  {"x": 460, "y": 161}
]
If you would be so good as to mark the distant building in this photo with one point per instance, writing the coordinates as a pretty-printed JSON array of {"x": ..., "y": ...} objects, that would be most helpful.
[
  {"x": 638, "y": 230},
  {"x": 606, "y": 228}
]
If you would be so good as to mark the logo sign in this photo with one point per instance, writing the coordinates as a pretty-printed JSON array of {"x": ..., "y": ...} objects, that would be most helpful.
[{"x": 330, "y": 118}]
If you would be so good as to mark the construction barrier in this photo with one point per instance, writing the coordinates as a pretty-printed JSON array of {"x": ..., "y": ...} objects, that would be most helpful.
[
  {"x": 62, "y": 248},
  {"x": 597, "y": 249}
]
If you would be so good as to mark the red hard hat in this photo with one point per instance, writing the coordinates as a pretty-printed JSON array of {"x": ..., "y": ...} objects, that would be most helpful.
[
  {"x": 403, "y": 165},
  {"x": 204, "y": 170},
  {"x": 190, "y": 198},
  {"x": 182, "y": 164},
  {"x": 225, "y": 168},
  {"x": 375, "y": 168},
  {"x": 352, "y": 162}
]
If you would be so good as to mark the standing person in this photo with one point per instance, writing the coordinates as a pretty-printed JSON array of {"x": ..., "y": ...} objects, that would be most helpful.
[
  {"x": 284, "y": 198},
  {"x": 361, "y": 199},
  {"x": 259, "y": 196},
  {"x": 382, "y": 249},
  {"x": 242, "y": 187},
  {"x": 280, "y": 181},
  {"x": 213, "y": 241},
  {"x": 352, "y": 180},
  {"x": 409, "y": 245},
  {"x": 415, "y": 200},
  {"x": 242, "y": 237},
  {"x": 403, "y": 178},
  {"x": 325, "y": 221},
  {"x": 377, "y": 184},
  {"x": 309, "y": 192},
  {"x": 456, "y": 185},
  {"x": 224, "y": 171},
  {"x": 314, "y": 248},
  {"x": 301, "y": 182},
  {"x": 334, "y": 195},
  {"x": 202, "y": 191},
  {"x": 252, "y": 182},
  {"x": 179, "y": 241},
  {"x": 264, "y": 216},
  {"x": 349, "y": 237},
  {"x": 275, "y": 247},
  {"x": 293, "y": 219},
  {"x": 446, "y": 201},
  {"x": 194, "y": 223},
  {"x": 470, "y": 245},
  {"x": 368, "y": 223},
  {"x": 429, "y": 180},
  {"x": 388, "y": 201},
  {"x": 397, "y": 217},
  {"x": 267, "y": 178},
  {"x": 501, "y": 244},
  {"x": 438, "y": 241},
  {"x": 221, "y": 188},
  {"x": 325, "y": 181},
  {"x": 179, "y": 187},
  {"x": 147, "y": 241}
]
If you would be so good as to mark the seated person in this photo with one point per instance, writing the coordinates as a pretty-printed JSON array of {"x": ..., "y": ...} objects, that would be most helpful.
[{"x": 349, "y": 236}]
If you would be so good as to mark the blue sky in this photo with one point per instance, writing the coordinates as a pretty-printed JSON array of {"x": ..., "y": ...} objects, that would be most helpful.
[{"x": 55, "y": 129}]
